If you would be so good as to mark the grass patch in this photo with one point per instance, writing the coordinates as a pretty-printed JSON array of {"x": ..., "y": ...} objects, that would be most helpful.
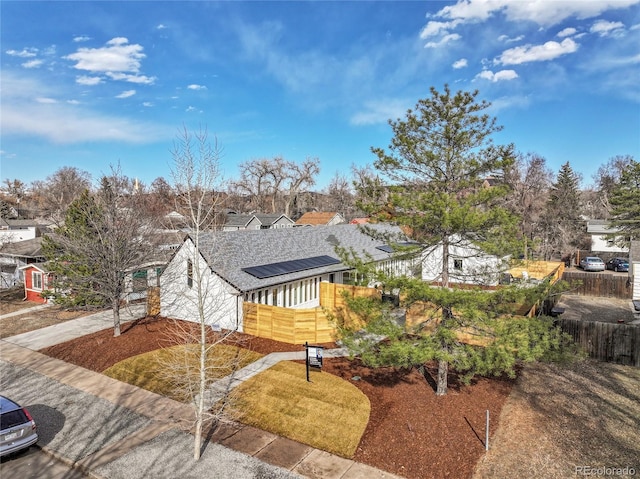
[
  {"x": 170, "y": 371},
  {"x": 328, "y": 413}
]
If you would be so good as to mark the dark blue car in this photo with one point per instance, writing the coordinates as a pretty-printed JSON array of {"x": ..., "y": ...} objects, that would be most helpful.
[{"x": 618, "y": 264}]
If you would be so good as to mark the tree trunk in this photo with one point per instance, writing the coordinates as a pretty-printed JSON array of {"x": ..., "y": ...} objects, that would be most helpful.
[
  {"x": 443, "y": 370},
  {"x": 202, "y": 386},
  {"x": 116, "y": 317}
]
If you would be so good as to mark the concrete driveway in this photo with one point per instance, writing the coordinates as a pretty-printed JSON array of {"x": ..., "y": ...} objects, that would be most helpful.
[{"x": 593, "y": 308}]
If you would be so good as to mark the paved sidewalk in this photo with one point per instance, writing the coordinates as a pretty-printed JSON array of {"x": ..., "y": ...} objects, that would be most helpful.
[
  {"x": 113, "y": 430},
  {"x": 25, "y": 311}
]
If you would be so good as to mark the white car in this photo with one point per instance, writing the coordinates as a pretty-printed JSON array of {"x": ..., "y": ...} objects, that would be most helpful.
[
  {"x": 592, "y": 263},
  {"x": 17, "y": 427}
]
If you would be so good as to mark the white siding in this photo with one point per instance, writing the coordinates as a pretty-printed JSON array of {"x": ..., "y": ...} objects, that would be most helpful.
[
  {"x": 635, "y": 268},
  {"x": 221, "y": 303},
  {"x": 466, "y": 265},
  {"x": 600, "y": 244}
]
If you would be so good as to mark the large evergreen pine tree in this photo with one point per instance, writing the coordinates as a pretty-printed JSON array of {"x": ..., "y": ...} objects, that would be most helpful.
[
  {"x": 625, "y": 202},
  {"x": 434, "y": 184}
]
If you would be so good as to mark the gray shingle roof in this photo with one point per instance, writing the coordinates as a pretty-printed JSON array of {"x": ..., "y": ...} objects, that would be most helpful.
[
  {"x": 243, "y": 220},
  {"x": 227, "y": 252}
]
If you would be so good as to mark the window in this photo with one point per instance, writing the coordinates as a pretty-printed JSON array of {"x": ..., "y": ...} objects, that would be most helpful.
[
  {"x": 457, "y": 264},
  {"x": 139, "y": 281},
  {"x": 189, "y": 273},
  {"x": 36, "y": 280}
]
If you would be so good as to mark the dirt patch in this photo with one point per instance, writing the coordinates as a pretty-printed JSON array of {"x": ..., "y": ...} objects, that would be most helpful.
[
  {"x": 559, "y": 419},
  {"x": 411, "y": 431}
]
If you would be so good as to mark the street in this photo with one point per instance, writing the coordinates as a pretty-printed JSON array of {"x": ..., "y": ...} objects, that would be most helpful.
[{"x": 35, "y": 464}]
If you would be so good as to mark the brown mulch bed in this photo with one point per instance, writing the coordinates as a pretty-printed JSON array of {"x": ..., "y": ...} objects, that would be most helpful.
[{"x": 411, "y": 432}]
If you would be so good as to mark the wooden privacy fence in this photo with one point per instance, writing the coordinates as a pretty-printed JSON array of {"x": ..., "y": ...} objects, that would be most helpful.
[
  {"x": 599, "y": 284},
  {"x": 610, "y": 342},
  {"x": 297, "y": 326}
]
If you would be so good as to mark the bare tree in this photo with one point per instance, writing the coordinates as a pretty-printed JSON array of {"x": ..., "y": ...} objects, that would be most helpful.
[
  {"x": 104, "y": 238},
  {"x": 187, "y": 281},
  {"x": 300, "y": 176},
  {"x": 276, "y": 182},
  {"x": 339, "y": 196},
  {"x": 529, "y": 180},
  {"x": 255, "y": 182},
  {"x": 59, "y": 190},
  {"x": 606, "y": 179}
]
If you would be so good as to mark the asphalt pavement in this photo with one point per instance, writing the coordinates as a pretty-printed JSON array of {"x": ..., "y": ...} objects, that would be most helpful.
[{"x": 112, "y": 430}]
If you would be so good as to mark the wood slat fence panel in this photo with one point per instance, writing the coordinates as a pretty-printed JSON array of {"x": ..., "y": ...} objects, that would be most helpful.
[
  {"x": 610, "y": 342},
  {"x": 599, "y": 284}
]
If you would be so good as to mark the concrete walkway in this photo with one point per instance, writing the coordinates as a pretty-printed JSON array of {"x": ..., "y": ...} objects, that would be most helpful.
[{"x": 113, "y": 430}]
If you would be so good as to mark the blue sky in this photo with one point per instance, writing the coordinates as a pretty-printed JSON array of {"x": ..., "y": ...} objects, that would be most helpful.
[{"x": 94, "y": 84}]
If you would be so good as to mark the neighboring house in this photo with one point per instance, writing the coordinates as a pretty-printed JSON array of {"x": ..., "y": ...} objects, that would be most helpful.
[
  {"x": 634, "y": 273},
  {"x": 467, "y": 264},
  {"x": 12, "y": 231},
  {"x": 319, "y": 218},
  {"x": 36, "y": 280},
  {"x": 600, "y": 243},
  {"x": 359, "y": 221},
  {"x": 13, "y": 256},
  {"x": 279, "y": 267},
  {"x": 257, "y": 221}
]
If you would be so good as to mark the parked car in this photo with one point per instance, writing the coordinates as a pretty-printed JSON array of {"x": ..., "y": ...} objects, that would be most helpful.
[
  {"x": 618, "y": 264},
  {"x": 17, "y": 427},
  {"x": 592, "y": 263}
]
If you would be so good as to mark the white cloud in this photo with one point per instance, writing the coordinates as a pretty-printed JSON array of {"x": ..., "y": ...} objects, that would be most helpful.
[
  {"x": 88, "y": 81},
  {"x": 24, "y": 53},
  {"x": 502, "y": 75},
  {"x": 139, "y": 79},
  {"x": 32, "y": 64},
  {"x": 46, "y": 100},
  {"x": 116, "y": 57},
  {"x": 147, "y": 104},
  {"x": 460, "y": 63},
  {"x": 81, "y": 38},
  {"x": 537, "y": 53},
  {"x": 196, "y": 87},
  {"x": 126, "y": 94},
  {"x": 65, "y": 123},
  {"x": 434, "y": 28},
  {"x": 161, "y": 27},
  {"x": 507, "y": 39},
  {"x": 542, "y": 12},
  {"x": 443, "y": 41},
  {"x": 605, "y": 28},
  {"x": 567, "y": 32},
  {"x": 73, "y": 102},
  {"x": 191, "y": 108}
]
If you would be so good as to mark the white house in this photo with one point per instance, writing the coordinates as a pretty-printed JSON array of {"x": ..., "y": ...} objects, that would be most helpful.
[
  {"x": 634, "y": 273},
  {"x": 12, "y": 231},
  {"x": 467, "y": 264},
  {"x": 600, "y": 243},
  {"x": 14, "y": 256},
  {"x": 278, "y": 267}
]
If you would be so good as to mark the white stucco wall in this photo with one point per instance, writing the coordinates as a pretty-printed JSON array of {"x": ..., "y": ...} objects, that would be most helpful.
[{"x": 222, "y": 304}]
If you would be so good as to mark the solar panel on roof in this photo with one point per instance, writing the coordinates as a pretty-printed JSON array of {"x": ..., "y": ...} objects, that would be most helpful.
[
  {"x": 293, "y": 266},
  {"x": 390, "y": 249}
]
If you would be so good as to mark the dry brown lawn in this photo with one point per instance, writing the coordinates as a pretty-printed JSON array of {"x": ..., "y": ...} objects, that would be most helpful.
[
  {"x": 560, "y": 417},
  {"x": 11, "y": 301}
]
